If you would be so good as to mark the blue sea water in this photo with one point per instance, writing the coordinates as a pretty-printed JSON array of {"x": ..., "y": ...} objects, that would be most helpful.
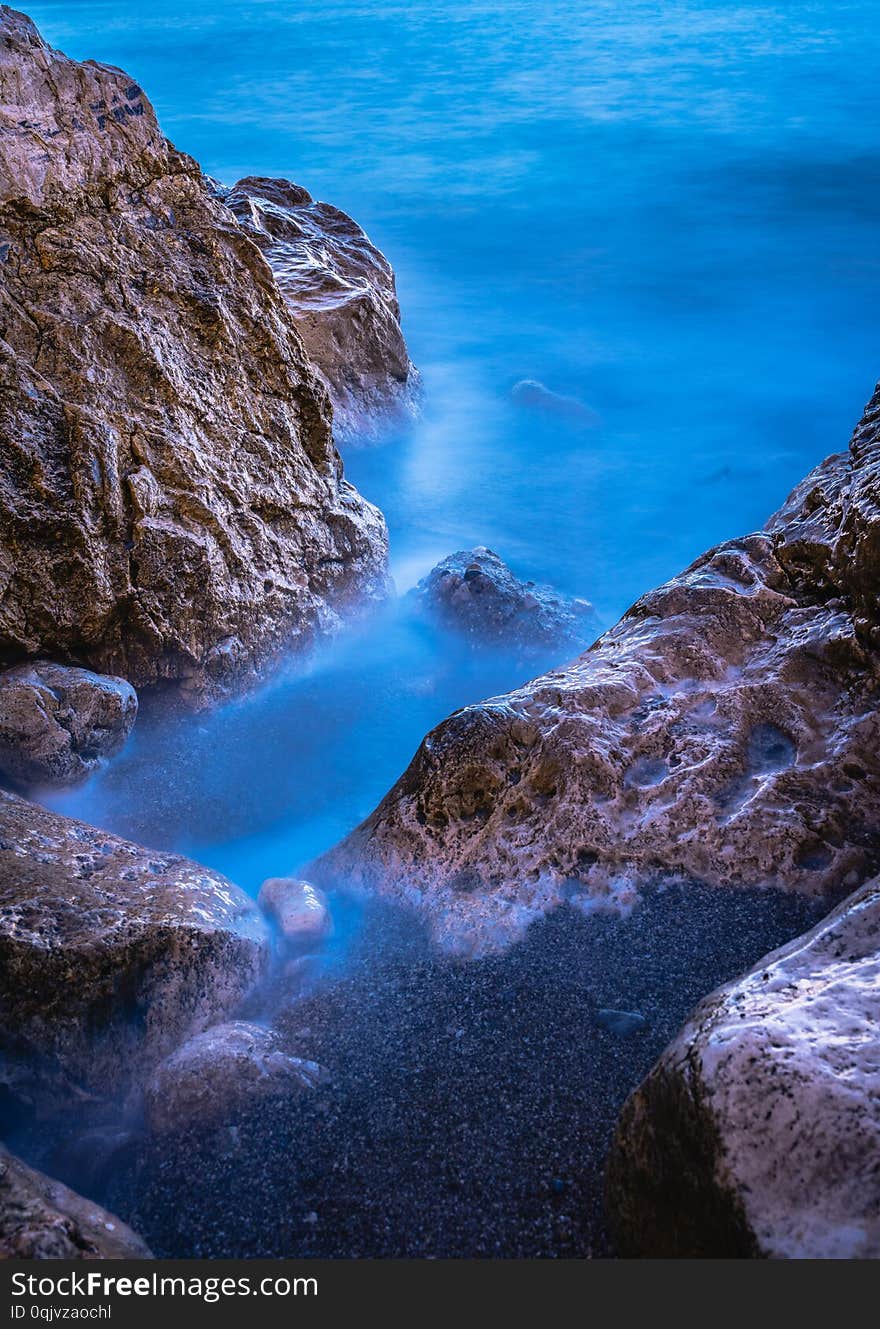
[{"x": 666, "y": 211}]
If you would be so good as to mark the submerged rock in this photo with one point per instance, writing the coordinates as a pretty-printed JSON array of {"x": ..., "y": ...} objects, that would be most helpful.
[
  {"x": 475, "y": 593},
  {"x": 110, "y": 954},
  {"x": 298, "y": 909},
  {"x": 622, "y": 1023},
  {"x": 341, "y": 292},
  {"x": 758, "y": 1131},
  {"x": 58, "y": 723},
  {"x": 221, "y": 1073},
  {"x": 40, "y": 1219},
  {"x": 172, "y": 504},
  {"x": 725, "y": 731}
]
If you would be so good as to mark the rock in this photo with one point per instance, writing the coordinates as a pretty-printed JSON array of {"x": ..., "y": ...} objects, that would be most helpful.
[
  {"x": 758, "y": 1131},
  {"x": 172, "y": 504},
  {"x": 725, "y": 731},
  {"x": 298, "y": 909},
  {"x": 535, "y": 396},
  {"x": 220, "y": 1074},
  {"x": 622, "y": 1023},
  {"x": 42, "y": 1220},
  {"x": 57, "y": 723},
  {"x": 342, "y": 294},
  {"x": 110, "y": 954},
  {"x": 475, "y": 593}
]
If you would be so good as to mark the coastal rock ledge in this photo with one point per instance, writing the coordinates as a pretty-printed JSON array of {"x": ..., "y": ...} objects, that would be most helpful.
[
  {"x": 726, "y": 731},
  {"x": 758, "y": 1132},
  {"x": 172, "y": 504}
]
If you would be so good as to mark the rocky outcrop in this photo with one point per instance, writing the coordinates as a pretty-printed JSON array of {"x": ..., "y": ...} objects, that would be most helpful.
[
  {"x": 758, "y": 1132},
  {"x": 42, "y": 1220},
  {"x": 57, "y": 723},
  {"x": 297, "y": 909},
  {"x": 111, "y": 954},
  {"x": 726, "y": 730},
  {"x": 475, "y": 593},
  {"x": 220, "y": 1074},
  {"x": 172, "y": 504},
  {"x": 342, "y": 294}
]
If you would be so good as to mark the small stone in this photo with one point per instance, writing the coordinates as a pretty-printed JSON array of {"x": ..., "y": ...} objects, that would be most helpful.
[{"x": 298, "y": 909}]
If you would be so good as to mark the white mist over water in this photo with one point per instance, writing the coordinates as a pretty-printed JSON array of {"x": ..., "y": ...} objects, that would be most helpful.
[{"x": 664, "y": 213}]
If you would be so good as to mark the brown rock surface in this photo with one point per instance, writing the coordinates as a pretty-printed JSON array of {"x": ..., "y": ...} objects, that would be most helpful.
[
  {"x": 171, "y": 500},
  {"x": 758, "y": 1131},
  {"x": 111, "y": 954},
  {"x": 725, "y": 730},
  {"x": 342, "y": 294},
  {"x": 40, "y": 1219},
  {"x": 58, "y": 723}
]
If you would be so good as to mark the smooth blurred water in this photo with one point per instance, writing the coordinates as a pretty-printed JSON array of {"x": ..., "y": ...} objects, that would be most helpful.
[{"x": 667, "y": 212}]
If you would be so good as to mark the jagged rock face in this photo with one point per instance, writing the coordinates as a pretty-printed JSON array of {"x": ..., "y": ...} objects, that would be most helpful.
[
  {"x": 111, "y": 954},
  {"x": 758, "y": 1131},
  {"x": 221, "y": 1074},
  {"x": 342, "y": 294},
  {"x": 725, "y": 730},
  {"x": 474, "y": 593},
  {"x": 172, "y": 504},
  {"x": 40, "y": 1219},
  {"x": 57, "y": 723}
]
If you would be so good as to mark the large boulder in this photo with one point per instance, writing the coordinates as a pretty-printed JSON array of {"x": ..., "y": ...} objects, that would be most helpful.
[
  {"x": 111, "y": 954},
  {"x": 758, "y": 1131},
  {"x": 172, "y": 504},
  {"x": 726, "y": 731},
  {"x": 221, "y": 1074},
  {"x": 475, "y": 594},
  {"x": 40, "y": 1219},
  {"x": 341, "y": 292},
  {"x": 58, "y": 723}
]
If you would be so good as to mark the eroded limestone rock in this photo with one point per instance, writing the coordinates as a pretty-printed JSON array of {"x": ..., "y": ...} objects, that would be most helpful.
[
  {"x": 57, "y": 723},
  {"x": 474, "y": 593},
  {"x": 40, "y": 1219},
  {"x": 111, "y": 954},
  {"x": 758, "y": 1131},
  {"x": 221, "y": 1073},
  {"x": 342, "y": 294},
  {"x": 172, "y": 505},
  {"x": 726, "y": 730}
]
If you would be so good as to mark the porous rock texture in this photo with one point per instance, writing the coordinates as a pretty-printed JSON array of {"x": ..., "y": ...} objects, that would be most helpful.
[
  {"x": 111, "y": 954},
  {"x": 726, "y": 730},
  {"x": 172, "y": 505},
  {"x": 475, "y": 593},
  {"x": 221, "y": 1073},
  {"x": 40, "y": 1219},
  {"x": 57, "y": 723},
  {"x": 342, "y": 294},
  {"x": 758, "y": 1131}
]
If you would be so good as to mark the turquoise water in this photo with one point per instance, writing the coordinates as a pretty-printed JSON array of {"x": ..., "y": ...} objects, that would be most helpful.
[{"x": 667, "y": 212}]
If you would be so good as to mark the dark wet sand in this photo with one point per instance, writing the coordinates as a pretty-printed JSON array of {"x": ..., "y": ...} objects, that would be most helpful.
[{"x": 470, "y": 1103}]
